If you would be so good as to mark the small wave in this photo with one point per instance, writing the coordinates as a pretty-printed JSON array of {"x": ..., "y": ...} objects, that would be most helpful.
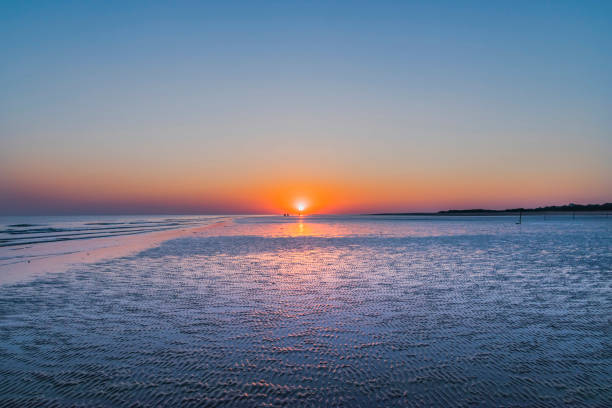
[{"x": 33, "y": 231}]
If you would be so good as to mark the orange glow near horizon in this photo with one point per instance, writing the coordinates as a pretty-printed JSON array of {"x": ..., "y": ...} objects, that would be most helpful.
[
  {"x": 119, "y": 189},
  {"x": 261, "y": 126}
]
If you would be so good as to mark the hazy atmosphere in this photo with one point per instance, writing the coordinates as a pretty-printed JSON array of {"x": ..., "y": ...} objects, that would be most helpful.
[{"x": 246, "y": 107}]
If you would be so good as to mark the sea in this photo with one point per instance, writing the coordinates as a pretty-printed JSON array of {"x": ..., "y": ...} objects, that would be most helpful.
[{"x": 346, "y": 311}]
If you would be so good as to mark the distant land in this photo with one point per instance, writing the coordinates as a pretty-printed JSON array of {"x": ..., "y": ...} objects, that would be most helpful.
[{"x": 481, "y": 211}]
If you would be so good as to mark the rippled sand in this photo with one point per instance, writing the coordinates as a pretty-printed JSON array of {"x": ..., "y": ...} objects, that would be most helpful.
[{"x": 327, "y": 312}]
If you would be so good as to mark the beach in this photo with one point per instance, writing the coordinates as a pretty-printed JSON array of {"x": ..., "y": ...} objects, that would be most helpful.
[
  {"x": 318, "y": 310},
  {"x": 53, "y": 244}
]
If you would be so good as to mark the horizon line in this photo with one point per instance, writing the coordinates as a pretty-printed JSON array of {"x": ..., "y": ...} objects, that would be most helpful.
[{"x": 206, "y": 213}]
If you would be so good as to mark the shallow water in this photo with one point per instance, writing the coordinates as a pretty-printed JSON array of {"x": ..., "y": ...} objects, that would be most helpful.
[
  {"x": 346, "y": 311},
  {"x": 30, "y": 230},
  {"x": 32, "y": 245}
]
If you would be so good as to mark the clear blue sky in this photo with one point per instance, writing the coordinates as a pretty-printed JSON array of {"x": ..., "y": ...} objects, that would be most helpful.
[{"x": 243, "y": 106}]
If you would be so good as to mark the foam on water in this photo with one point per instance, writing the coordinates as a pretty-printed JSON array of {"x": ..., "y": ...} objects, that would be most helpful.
[{"x": 324, "y": 311}]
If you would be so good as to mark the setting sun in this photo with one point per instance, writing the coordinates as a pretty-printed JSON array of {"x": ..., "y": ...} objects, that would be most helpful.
[{"x": 301, "y": 207}]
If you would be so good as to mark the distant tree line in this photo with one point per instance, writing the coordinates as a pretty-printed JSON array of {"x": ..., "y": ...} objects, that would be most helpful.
[{"x": 569, "y": 207}]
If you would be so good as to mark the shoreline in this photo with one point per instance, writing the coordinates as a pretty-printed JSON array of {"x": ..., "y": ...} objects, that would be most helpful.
[
  {"x": 469, "y": 213},
  {"x": 54, "y": 257}
]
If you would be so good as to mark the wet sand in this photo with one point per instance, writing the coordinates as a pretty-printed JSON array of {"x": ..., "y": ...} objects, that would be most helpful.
[
  {"x": 59, "y": 256},
  {"x": 322, "y": 311}
]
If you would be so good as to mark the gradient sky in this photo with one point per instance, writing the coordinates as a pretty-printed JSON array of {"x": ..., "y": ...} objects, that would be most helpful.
[{"x": 242, "y": 107}]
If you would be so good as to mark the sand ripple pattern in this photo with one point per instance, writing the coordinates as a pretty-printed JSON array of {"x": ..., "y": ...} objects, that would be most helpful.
[{"x": 515, "y": 319}]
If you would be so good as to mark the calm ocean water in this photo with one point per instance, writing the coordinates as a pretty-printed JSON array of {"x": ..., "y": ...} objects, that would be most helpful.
[
  {"x": 318, "y": 311},
  {"x": 27, "y": 230},
  {"x": 42, "y": 238}
]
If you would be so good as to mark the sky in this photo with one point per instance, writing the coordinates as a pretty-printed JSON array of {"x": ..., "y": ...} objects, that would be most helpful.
[{"x": 349, "y": 107}]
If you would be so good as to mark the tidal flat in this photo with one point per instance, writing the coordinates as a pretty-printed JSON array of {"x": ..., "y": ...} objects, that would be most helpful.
[{"x": 352, "y": 311}]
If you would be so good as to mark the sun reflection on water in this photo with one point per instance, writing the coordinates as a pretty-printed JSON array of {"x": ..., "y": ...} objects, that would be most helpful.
[{"x": 271, "y": 309}]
